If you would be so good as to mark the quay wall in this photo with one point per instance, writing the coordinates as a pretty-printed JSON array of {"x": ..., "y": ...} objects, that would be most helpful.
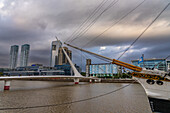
[{"x": 102, "y": 80}]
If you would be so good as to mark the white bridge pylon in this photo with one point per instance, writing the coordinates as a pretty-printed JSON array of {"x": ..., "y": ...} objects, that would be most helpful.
[
  {"x": 5, "y": 81},
  {"x": 76, "y": 73}
]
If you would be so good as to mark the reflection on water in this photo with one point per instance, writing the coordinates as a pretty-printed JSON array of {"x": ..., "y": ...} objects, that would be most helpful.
[{"x": 131, "y": 99}]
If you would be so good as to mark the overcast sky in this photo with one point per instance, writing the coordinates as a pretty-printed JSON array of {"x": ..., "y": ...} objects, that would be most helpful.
[{"x": 37, "y": 22}]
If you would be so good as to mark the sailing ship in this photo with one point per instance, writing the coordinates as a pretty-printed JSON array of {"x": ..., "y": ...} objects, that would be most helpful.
[{"x": 156, "y": 84}]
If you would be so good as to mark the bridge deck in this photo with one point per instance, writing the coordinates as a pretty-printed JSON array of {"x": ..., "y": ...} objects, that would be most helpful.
[{"x": 39, "y": 77}]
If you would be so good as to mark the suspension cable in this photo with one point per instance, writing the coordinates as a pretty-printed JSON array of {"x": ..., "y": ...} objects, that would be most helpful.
[
  {"x": 87, "y": 19},
  {"x": 94, "y": 21},
  {"x": 114, "y": 24},
  {"x": 82, "y": 100},
  {"x": 144, "y": 31},
  {"x": 85, "y": 56}
]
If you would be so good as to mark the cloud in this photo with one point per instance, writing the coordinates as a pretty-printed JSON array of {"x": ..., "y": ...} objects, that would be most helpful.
[
  {"x": 38, "y": 22},
  {"x": 1, "y": 5},
  {"x": 4, "y": 59},
  {"x": 102, "y": 48}
]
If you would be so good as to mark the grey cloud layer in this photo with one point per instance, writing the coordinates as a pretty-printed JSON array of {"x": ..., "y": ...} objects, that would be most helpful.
[{"x": 37, "y": 22}]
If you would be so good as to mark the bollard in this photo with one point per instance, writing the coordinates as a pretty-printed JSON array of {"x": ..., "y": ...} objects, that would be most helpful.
[
  {"x": 6, "y": 85},
  {"x": 90, "y": 80},
  {"x": 76, "y": 80}
]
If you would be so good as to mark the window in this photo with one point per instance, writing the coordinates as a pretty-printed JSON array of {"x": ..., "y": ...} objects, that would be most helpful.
[{"x": 54, "y": 47}]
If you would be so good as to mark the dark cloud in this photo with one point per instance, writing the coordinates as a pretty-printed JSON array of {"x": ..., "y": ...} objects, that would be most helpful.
[
  {"x": 4, "y": 59},
  {"x": 39, "y": 60},
  {"x": 37, "y": 22}
]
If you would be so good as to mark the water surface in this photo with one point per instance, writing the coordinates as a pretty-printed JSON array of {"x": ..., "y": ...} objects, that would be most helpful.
[{"x": 131, "y": 99}]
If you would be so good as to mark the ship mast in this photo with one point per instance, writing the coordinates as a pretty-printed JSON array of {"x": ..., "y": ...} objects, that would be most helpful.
[{"x": 113, "y": 61}]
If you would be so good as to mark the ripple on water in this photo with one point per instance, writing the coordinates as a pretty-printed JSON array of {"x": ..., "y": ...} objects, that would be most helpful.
[{"x": 131, "y": 99}]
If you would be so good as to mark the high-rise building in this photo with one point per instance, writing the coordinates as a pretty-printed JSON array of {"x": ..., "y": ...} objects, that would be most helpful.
[
  {"x": 59, "y": 61},
  {"x": 13, "y": 56},
  {"x": 55, "y": 52},
  {"x": 69, "y": 54},
  {"x": 62, "y": 57},
  {"x": 88, "y": 63},
  {"x": 57, "y": 55},
  {"x": 24, "y": 55}
]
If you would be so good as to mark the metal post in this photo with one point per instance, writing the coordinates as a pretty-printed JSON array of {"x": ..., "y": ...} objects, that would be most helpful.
[{"x": 143, "y": 60}]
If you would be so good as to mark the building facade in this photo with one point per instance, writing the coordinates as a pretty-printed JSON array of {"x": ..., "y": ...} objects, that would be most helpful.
[
  {"x": 13, "y": 56},
  {"x": 160, "y": 64},
  {"x": 67, "y": 69},
  {"x": 57, "y": 55},
  {"x": 168, "y": 65},
  {"x": 101, "y": 70},
  {"x": 63, "y": 59},
  {"x": 24, "y": 55},
  {"x": 35, "y": 69},
  {"x": 88, "y": 63},
  {"x": 55, "y": 52}
]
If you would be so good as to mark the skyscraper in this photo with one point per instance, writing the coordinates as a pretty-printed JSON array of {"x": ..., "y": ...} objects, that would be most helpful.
[
  {"x": 24, "y": 55},
  {"x": 59, "y": 61},
  {"x": 62, "y": 60},
  {"x": 57, "y": 55},
  {"x": 69, "y": 54},
  {"x": 55, "y": 52},
  {"x": 13, "y": 56}
]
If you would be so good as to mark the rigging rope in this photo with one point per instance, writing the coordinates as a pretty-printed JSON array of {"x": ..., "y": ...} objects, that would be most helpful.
[
  {"x": 144, "y": 31},
  {"x": 160, "y": 62},
  {"x": 65, "y": 103},
  {"x": 82, "y": 100}
]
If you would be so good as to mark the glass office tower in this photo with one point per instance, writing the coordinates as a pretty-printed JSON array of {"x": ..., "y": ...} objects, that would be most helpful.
[
  {"x": 55, "y": 52},
  {"x": 24, "y": 55},
  {"x": 57, "y": 55},
  {"x": 13, "y": 56}
]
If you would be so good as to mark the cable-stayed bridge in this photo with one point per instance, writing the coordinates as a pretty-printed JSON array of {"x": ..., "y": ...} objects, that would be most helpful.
[{"x": 77, "y": 76}]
